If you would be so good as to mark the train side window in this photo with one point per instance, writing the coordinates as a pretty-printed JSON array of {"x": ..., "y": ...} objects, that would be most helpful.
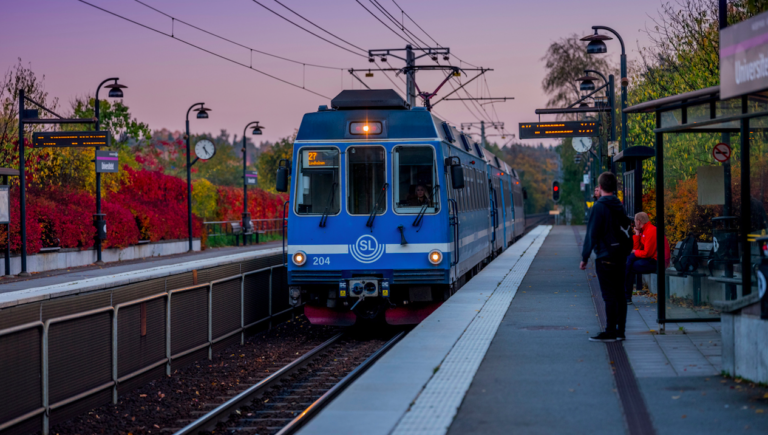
[
  {"x": 366, "y": 175},
  {"x": 414, "y": 180},
  {"x": 318, "y": 185}
]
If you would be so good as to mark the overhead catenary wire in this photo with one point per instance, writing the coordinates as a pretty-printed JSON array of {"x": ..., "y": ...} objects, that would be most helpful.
[
  {"x": 203, "y": 49},
  {"x": 404, "y": 29},
  {"x": 312, "y": 23},
  {"x": 309, "y": 31},
  {"x": 428, "y": 35},
  {"x": 174, "y": 19},
  {"x": 383, "y": 23}
]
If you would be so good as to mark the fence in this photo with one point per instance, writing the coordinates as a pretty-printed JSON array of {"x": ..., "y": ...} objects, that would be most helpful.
[
  {"x": 266, "y": 229},
  {"x": 57, "y": 368}
]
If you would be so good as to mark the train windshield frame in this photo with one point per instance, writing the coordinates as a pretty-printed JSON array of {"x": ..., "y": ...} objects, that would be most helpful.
[
  {"x": 414, "y": 168},
  {"x": 317, "y": 170},
  {"x": 366, "y": 179}
]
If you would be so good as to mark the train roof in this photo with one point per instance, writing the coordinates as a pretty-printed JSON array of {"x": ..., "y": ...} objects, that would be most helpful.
[{"x": 398, "y": 122}]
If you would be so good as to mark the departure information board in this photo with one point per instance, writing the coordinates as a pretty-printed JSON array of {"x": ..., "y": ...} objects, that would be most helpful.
[
  {"x": 71, "y": 139},
  {"x": 535, "y": 130}
]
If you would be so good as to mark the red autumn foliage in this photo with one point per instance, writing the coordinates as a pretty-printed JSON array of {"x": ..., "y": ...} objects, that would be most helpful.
[
  {"x": 261, "y": 204},
  {"x": 149, "y": 205}
]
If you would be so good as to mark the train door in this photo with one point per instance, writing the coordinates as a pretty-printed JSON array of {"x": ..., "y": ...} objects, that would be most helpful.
[{"x": 504, "y": 201}]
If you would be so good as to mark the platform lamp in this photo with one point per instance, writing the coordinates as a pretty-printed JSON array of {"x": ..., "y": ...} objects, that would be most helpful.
[
  {"x": 252, "y": 178},
  {"x": 597, "y": 46},
  {"x": 202, "y": 113},
  {"x": 99, "y": 219}
]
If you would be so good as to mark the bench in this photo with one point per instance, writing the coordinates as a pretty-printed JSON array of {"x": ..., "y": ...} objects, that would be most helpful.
[
  {"x": 237, "y": 230},
  {"x": 705, "y": 251}
]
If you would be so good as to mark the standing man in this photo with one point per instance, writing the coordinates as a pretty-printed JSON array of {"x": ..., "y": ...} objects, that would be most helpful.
[
  {"x": 608, "y": 234},
  {"x": 644, "y": 257}
]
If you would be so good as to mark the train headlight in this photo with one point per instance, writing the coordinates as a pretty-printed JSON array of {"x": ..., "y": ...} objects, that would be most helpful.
[
  {"x": 299, "y": 258},
  {"x": 435, "y": 256}
]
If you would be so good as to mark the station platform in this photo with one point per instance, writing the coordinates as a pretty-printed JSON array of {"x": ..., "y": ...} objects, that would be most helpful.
[
  {"x": 46, "y": 285},
  {"x": 509, "y": 353}
]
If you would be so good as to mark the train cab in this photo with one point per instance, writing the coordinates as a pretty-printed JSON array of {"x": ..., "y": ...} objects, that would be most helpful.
[{"x": 387, "y": 212}]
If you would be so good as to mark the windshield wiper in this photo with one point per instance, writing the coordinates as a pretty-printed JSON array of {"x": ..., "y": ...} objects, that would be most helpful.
[
  {"x": 420, "y": 216},
  {"x": 375, "y": 210},
  {"x": 324, "y": 218}
]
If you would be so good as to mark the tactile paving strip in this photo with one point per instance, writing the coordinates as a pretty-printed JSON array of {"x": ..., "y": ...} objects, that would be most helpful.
[{"x": 438, "y": 403}]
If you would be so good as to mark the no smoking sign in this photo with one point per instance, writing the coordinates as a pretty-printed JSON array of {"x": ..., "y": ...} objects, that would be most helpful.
[{"x": 721, "y": 152}]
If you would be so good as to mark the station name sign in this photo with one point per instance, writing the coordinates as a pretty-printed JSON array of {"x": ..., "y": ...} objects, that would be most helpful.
[
  {"x": 744, "y": 57},
  {"x": 71, "y": 139},
  {"x": 535, "y": 130},
  {"x": 251, "y": 177},
  {"x": 106, "y": 161}
]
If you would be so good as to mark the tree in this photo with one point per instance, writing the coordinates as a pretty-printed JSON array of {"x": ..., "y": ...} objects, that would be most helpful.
[
  {"x": 269, "y": 160},
  {"x": 565, "y": 61},
  {"x": 16, "y": 79}
]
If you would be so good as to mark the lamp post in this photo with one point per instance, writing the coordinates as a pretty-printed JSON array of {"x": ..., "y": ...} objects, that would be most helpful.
[
  {"x": 115, "y": 91},
  {"x": 597, "y": 46},
  {"x": 247, "y": 216},
  {"x": 587, "y": 85},
  {"x": 202, "y": 113}
]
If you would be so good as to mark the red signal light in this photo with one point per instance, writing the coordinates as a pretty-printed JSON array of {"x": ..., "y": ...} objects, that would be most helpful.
[{"x": 556, "y": 188}]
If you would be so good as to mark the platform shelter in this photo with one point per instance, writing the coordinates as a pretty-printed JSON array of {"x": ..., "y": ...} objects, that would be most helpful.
[{"x": 711, "y": 182}]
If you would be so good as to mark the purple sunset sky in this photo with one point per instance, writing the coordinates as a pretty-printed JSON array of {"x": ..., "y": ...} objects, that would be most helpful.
[{"x": 76, "y": 46}]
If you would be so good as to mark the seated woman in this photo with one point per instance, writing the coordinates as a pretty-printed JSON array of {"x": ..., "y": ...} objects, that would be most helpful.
[
  {"x": 420, "y": 198},
  {"x": 644, "y": 256}
]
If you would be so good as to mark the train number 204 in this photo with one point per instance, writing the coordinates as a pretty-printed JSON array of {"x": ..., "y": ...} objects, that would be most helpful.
[{"x": 321, "y": 261}]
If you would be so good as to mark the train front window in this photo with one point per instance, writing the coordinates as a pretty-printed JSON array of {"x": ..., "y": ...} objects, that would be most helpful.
[
  {"x": 366, "y": 175},
  {"x": 414, "y": 180},
  {"x": 317, "y": 186}
]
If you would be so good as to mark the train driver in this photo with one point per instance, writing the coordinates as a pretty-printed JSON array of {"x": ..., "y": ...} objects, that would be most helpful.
[{"x": 420, "y": 197}]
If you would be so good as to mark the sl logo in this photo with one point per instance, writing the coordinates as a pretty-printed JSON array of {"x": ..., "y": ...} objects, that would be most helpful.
[{"x": 366, "y": 249}]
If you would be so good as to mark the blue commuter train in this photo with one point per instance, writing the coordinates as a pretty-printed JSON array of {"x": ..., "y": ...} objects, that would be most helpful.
[{"x": 392, "y": 210}]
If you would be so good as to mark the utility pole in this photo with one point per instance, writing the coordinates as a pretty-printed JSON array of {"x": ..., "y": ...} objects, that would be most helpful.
[
  {"x": 410, "y": 83},
  {"x": 410, "y": 64},
  {"x": 483, "y": 136}
]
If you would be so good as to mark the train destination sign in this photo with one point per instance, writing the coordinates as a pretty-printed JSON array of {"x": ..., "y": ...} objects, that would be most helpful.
[
  {"x": 106, "y": 161},
  {"x": 320, "y": 159},
  {"x": 536, "y": 130},
  {"x": 72, "y": 139}
]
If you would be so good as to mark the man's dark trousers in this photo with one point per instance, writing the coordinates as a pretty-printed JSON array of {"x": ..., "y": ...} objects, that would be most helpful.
[
  {"x": 634, "y": 266},
  {"x": 610, "y": 275}
]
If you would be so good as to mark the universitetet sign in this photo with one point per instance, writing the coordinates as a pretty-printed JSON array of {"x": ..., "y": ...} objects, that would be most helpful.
[{"x": 744, "y": 57}]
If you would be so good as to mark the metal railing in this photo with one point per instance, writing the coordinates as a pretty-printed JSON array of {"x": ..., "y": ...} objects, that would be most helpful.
[
  {"x": 114, "y": 311},
  {"x": 262, "y": 226}
]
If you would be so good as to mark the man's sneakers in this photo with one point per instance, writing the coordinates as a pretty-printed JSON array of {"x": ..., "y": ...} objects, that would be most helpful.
[
  {"x": 604, "y": 337},
  {"x": 607, "y": 337}
]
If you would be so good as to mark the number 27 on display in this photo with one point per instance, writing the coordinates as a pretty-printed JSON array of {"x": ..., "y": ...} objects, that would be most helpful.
[{"x": 321, "y": 261}]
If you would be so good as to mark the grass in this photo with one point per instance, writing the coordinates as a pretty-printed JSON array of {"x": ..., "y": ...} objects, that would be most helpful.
[{"x": 224, "y": 240}]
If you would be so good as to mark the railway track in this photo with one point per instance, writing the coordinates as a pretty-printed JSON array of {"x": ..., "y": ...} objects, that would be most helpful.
[
  {"x": 284, "y": 401},
  {"x": 533, "y": 220}
]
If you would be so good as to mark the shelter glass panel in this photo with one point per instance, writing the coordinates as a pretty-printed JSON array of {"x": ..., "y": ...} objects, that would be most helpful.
[
  {"x": 414, "y": 180},
  {"x": 317, "y": 187},
  {"x": 758, "y": 191},
  {"x": 701, "y": 223}
]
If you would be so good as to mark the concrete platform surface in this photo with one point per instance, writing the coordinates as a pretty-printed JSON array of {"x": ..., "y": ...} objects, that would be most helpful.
[
  {"x": 509, "y": 353},
  {"x": 79, "y": 280},
  {"x": 432, "y": 367}
]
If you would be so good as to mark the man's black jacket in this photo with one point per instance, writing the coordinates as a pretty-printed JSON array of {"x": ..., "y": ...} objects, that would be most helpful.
[{"x": 599, "y": 220}]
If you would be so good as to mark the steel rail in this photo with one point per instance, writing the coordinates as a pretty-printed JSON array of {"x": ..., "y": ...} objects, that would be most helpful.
[
  {"x": 222, "y": 412},
  {"x": 302, "y": 419}
]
